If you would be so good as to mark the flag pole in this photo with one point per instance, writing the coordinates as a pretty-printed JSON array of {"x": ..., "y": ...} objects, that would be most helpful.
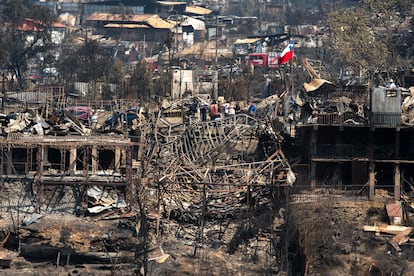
[{"x": 291, "y": 76}]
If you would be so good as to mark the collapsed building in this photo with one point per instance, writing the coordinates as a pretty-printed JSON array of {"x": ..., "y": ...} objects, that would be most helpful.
[
  {"x": 163, "y": 171},
  {"x": 351, "y": 153},
  {"x": 150, "y": 189},
  {"x": 361, "y": 135}
]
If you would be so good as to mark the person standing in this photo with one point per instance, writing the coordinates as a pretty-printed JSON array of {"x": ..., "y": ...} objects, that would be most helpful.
[
  {"x": 214, "y": 110},
  {"x": 232, "y": 110},
  {"x": 391, "y": 84},
  {"x": 252, "y": 110},
  {"x": 203, "y": 112},
  {"x": 226, "y": 109}
]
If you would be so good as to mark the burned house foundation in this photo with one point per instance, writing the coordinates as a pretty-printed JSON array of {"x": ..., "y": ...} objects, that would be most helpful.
[{"x": 66, "y": 159}]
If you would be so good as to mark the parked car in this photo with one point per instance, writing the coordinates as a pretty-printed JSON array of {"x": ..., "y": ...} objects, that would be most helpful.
[
  {"x": 50, "y": 71},
  {"x": 33, "y": 75},
  {"x": 82, "y": 113},
  {"x": 127, "y": 118},
  {"x": 230, "y": 69}
]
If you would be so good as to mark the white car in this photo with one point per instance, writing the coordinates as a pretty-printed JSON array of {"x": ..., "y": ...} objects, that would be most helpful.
[{"x": 51, "y": 71}]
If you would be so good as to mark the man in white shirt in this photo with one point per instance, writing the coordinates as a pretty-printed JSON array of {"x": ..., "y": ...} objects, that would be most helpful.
[{"x": 391, "y": 84}]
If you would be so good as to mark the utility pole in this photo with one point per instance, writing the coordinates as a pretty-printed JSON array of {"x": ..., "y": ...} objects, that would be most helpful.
[
  {"x": 177, "y": 22},
  {"x": 215, "y": 59},
  {"x": 258, "y": 16},
  {"x": 3, "y": 91}
]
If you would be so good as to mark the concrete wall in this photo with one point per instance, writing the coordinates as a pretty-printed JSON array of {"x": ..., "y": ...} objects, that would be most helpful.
[{"x": 193, "y": 82}]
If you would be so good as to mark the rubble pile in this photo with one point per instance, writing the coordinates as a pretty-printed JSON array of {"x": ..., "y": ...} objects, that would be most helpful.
[
  {"x": 78, "y": 120},
  {"x": 350, "y": 237},
  {"x": 211, "y": 187},
  {"x": 211, "y": 190}
]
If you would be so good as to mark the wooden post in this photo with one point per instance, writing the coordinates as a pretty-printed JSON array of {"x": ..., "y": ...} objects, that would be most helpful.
[
  {"x": 313, "y": 174},
  {"x": 339, "y": 168},
  {"x": 397, "y": 182},
  {"x": 40, "y": 160},
  {"x": 131, "y": 193},
  {"x": 1, "y": 165},
  {"x": 72, "y": 160},
  {"x": 397, "y": 143},
  {"x": 117, "y": 159},
  {"x": 313, "y": 153},
  {"x": 95, "y": 159},
  {"x": 9, "y": 160},
  {"x": 68, "y": 259},
  {"x": 371, "y": 181},
  {"x": 58, "y": 259},
  {"x": 123, "y": 157}
]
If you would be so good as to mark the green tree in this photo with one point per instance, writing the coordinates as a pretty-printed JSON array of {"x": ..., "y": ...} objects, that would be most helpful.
[
  {"x": 93, "y": 61},
  {"x": 25, "y": 34},
  {"x": 88, "y": 63},
  {"x": 68, "y": 62},
  {"x": 115, "y": 75},
  {"x": 388, "y": 17},
  {"x": 140, "y": 83},
  {"x": 352, "y": 41},
  {"x": 369, "y": 37}
]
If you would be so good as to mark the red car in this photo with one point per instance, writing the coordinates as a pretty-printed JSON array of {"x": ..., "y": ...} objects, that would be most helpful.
[{"x": 82, "y": 113}]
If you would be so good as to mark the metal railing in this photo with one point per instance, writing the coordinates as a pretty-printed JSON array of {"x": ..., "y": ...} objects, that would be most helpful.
[
  {"x": 386, "y": 118},
  {"x": 331, "y": 193},
  {"x": 348, "y": 118},
  {"x": 347, "y": 151},
  {"x": 340, "y": 119}
]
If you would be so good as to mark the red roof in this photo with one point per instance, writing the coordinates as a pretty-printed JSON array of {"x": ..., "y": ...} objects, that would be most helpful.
[{"x": 37, "y": 25}]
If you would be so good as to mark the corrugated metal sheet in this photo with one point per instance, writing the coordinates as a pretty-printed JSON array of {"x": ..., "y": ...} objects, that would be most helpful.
[
  {"x": 102, "y": 16},
  {"x": 315, "y": 84},
  {"x": 126, "y": 26},
  {"x": 246, "y": 40},
  {"x": 170, "y": 3},
  {"x": 152, "y": 20},
  {"x": 197, "y": 10},
  {"x": 195, "y": 23},
  {"x": 385, "y": 100},
  {"x": 395, "y": 212},
  {"x": 158, "y": 23}
]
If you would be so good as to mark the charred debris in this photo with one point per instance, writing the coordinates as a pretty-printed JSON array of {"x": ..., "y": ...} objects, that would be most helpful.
[
  {"x": 118, "y": 190},
  {"x": 135, "y": 189}
]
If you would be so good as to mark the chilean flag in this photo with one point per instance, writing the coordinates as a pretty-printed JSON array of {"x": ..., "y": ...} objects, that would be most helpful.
[{"x": 287, "y": 53}]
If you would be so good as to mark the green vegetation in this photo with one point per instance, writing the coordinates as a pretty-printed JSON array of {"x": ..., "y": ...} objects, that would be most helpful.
[
  {"x": 22, "y": 40},
  {"x": 369, "y": 37}
]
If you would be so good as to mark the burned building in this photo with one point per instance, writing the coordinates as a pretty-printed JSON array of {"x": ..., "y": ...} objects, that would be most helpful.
[
  {"x": 189, "y": 183},
  {"x": 355, "y": 140}
]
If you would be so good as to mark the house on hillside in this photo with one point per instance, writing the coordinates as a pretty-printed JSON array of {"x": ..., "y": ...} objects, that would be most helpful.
[
  {"x": 58, "y": 32},
  {"x": 197, "y": 11},
  {"x": 167, "y": 8},
  {"x": 193, "y": 30},
  {"x": 120, "y": 6},
  {"x": 245, "y": 46},
  {"x": 138, "y": 27},
  {"x": 30, "y": 26}
]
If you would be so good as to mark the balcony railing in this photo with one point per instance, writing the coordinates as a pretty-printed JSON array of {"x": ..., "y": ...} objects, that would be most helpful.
[
  {"x": 349, "y": 118},
  {"x": 346, "y": 151},
  {"x": 386, "y": 118},
  {"x": 332, "y": 194},
  {"x": 340, "y": 119}
]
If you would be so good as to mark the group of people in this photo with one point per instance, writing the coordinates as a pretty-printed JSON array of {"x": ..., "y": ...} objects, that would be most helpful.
[{"x": 218, "y": 110}]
